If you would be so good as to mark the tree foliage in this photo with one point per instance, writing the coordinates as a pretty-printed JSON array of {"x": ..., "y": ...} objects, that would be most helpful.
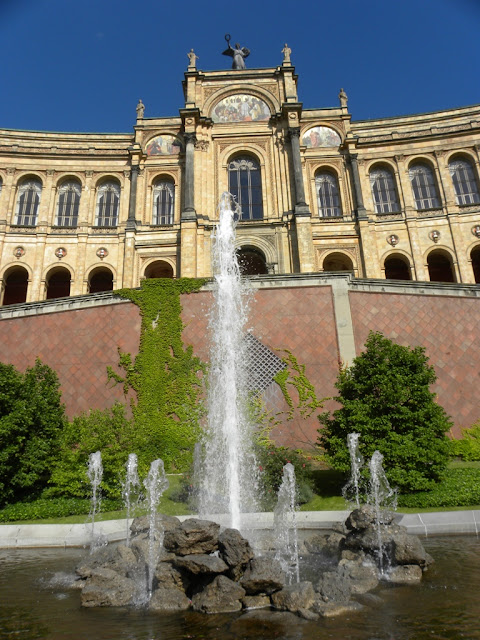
[
  {"x": 385, "y": 397},
  {"x": 31, "y": 420}
]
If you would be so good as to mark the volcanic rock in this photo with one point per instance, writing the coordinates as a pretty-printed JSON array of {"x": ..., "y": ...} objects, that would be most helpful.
[
  {"x": 192, "y": 536},
  {"x": 263, "y": 575},
  {"x": 220, "y": 596},
  {"x": 294, "y": 597}
]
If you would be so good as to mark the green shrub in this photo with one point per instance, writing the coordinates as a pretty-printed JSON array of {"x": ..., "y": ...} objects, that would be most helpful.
[
  {"x": 459, "y": 488},
  {"x": 468, "y": 447},
  {"x": 385, "y": 397},
  {"x": 271, "y": 460},
  {"x": 52, "y": 508},
  {"x": 108, "y": 431},
  {"x": 31, "y": 420}
]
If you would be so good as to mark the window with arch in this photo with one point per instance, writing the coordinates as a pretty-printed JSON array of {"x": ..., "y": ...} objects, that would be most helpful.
[
  {"x": 28, "y": 201},
  {"x": 397, "y": 267},
  {"x": 15, "y": 284},
  {"x": 163, "y": 202},
  {"x": 384, "y": 191},
  {"x": 328, "y": 195},
  {"x": 108, "y": 201},
  {"x": 68, "y": 204},
  {"x": 245, "y": 183},
  {"x": 423, "y": 186},
  {"x": 464, "y": 183}
]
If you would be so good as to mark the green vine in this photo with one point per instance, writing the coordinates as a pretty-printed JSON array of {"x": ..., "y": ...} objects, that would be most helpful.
[
  {"x": 293, "y": 375},
  {"x": 165, "y": 376}
]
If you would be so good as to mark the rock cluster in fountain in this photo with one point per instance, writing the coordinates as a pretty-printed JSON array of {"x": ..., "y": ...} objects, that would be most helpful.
[{"x": 213, "y": 571}]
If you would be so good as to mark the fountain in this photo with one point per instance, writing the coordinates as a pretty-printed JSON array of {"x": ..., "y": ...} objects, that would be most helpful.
[
  {"x": 382, "y": 496},
  {"x": 130, "y": 487},
  {"x": 352, "y": 488},
  {"x": 285, "y": 526},
  {"x": 155, "y": 484},
  {"x": 95, "y": 473},
  {"x": 228, "y": 482}
]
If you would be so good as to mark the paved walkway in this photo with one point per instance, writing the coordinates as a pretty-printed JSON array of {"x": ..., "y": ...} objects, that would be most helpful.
[{"x": 77, "y": 535}]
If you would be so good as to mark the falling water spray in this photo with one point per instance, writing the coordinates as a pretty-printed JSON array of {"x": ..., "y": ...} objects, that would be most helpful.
[
  {"x": 155, "y": 484},
  {"x": 130, "y": 488},
  {"x": 351, "y": 491},
  {"x": 228, "y": 478},
  {"x": 95, "y": 473},
  {"x": 382, "y": 496},
  {"x": 285, "y": 526}
]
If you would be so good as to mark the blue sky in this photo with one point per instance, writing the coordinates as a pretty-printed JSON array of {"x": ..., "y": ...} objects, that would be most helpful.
[{"x": 70, "y": 65}]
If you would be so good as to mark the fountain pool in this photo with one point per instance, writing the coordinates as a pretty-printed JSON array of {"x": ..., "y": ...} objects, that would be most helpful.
[{"x": 35, "y": 603}]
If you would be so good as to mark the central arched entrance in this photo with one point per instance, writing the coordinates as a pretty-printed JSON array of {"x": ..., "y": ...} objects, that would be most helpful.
[
  {"x": 159, "y": 269},
  {"x": 251, "y": 261}
]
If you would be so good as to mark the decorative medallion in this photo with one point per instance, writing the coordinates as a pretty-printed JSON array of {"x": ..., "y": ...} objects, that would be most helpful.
[
  {"x": 164, "y": 145},
  {"x": 61, "y": 252},
  {"x": 102, "y": 253},
  {"x": 434, "y": 235},
  {"x": 240, "y": 107},
  {"x": 19, "y": 252},
  {"x": 393, "y": 240},
  {"x": 476, "y": 230},
  {"x": 321, "y": 137}
]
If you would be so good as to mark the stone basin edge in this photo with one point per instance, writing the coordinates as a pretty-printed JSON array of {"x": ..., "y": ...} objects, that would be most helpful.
[{"x": 78, "y": 535}]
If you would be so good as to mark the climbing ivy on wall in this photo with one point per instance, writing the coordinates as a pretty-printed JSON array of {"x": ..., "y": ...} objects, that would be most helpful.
[{"x": 165, "y": 376}]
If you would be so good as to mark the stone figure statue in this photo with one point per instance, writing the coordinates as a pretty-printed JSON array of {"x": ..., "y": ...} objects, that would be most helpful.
[
  {"x": 343, "y": 98},
  {"x": 238, "y": 54},
  {"x": 286, "y": 54},
  {"x": 192, "y": 57},
  {"x": 140, "y": 109}
]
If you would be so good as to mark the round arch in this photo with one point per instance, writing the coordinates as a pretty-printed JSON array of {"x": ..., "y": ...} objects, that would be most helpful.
[
  {"x": 337, "y": 261},
  {"x": 15, "y": 285},
  {"x": 67, "y": 177},
  {"x": 328, "y": 125},
  {"x": 397, "y": 267},
  {"x": 255, "y": 91},
  {"x": 460, "y": 154},
  {"x": 475, "y": 260},
  {"x": 57, "y": 282},
  {"x": 100, "y": 279},
  {"x": 159, "y": 269},
  {"x": 252, "y": 261},
  {"x": 440, "y": 266}
]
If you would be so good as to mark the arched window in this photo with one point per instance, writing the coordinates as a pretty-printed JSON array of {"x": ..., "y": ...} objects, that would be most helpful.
[
  {"x": 384, "y": 192},
  {"x": 423, "y": 186},
  {"x": 328, "y": 197},
  {"x": 68, "y": 204},
  {"x": 28, "y": 199},
  {"x": 463, "y": 178},
  {"x": 159, "y": 269},
  {"x": 397, "y": 268},
  {"x": 251, "y": 262},
  {"x": 16, "y": 285},
  {"x": 245, "y": 183},
  {"x": 101, "y": 279},
  {"x": 440, "y": 267},
  {"x": 58, "y": 283},
  {"x": 337, "y": 262},
  {"x": 163, "y": 202},
  {"x": 108, "y": 199}
]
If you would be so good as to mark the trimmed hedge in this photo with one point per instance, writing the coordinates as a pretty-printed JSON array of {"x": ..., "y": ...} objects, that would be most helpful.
[
  {"x": 53, "y": 508},
  {"x": 459, "y": 488}
]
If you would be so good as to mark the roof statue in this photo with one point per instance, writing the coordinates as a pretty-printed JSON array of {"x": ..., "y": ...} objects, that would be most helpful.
[
  {"x": 192, "y": 59},
  {"x": 238, "y": 54},
  {"x": 286, "y": 54},
  {"x": 343, "y": 98},
  {"x": 140, "y": 109}
]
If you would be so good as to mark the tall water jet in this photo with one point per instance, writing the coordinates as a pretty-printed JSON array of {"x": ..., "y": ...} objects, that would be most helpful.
[
  {"x": 94, "y": 473},
  {"x": 228, "y": 483},
  {"x": 382, "y": 496},
  {"x": 351, "y": 491},
  {"x": 155, "y": 484},
  {"x": 130, "y": 487},
  {"x": 285, "y": 525}
]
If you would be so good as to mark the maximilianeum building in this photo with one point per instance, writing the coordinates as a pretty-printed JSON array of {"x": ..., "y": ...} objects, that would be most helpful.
[{"x": 393, "y": 198}]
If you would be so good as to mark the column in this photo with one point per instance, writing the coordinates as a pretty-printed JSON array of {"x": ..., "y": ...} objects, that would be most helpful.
[
  {"x": 132, "y": 203},
  {"x": 300, "y": 204},
  {"x": 362, "y": 217},
  {"x": 188, "y": 212}
]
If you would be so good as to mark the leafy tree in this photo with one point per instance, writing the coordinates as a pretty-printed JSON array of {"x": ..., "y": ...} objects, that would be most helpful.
[
  {"x": 109, "y": 431},
  {"x": 385, "y": 397},
  {"x": 31, "y": 419}
]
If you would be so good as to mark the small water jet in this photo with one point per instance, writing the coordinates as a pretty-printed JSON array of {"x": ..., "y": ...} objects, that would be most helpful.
[
  {"x": 351, "y": 491},
  {"x": 94, "y": 473},
  {"x": 381, "y": 496},
  {"x": 130, "y": 487},
  {"x": 285, "y": 526},
  {"x": 229, "y": 476},
  {"x": 155, "y": 484}
]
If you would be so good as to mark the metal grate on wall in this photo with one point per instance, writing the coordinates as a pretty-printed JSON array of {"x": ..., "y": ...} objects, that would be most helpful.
[{"x": 263, "y": 365}]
